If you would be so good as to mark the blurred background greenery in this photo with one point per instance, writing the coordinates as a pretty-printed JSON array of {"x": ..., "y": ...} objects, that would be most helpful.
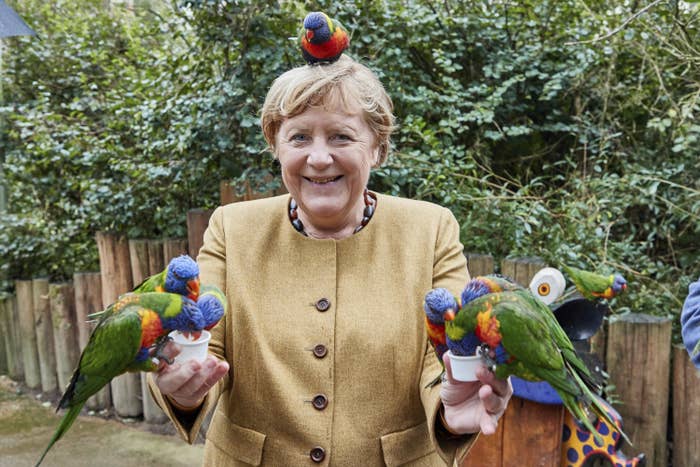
[{"x": 564, "y": 129}]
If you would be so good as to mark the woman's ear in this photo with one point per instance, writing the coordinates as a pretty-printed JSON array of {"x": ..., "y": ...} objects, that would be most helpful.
[{"x": 375, "y": 156}]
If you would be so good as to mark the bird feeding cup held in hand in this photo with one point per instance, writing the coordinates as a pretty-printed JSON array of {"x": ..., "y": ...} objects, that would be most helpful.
[
  {"x": 191, "y": 349},
  {"x": 464, "y": 367}
]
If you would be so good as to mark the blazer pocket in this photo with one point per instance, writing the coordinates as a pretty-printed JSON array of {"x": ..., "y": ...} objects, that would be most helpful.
[
  {"x": 240, "y": 443},
  {"x": 402, "y": 447}
]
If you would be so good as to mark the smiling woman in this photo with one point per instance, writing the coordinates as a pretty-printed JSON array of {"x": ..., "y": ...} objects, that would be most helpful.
[{"x": 339, "y": 371}]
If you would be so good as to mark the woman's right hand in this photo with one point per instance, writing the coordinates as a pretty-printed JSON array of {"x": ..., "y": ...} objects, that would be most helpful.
[{"x": 187, "y": 383}]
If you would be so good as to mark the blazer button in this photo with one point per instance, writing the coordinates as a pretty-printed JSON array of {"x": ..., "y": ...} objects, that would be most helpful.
[
  {"x": 320, "y": 351},
  {"x": 320, "y": 402},
  {"x": 323, "y": 304},
  {"x": 317, "y": 454}
]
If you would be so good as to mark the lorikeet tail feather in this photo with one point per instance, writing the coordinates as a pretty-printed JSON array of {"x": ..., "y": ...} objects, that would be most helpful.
[
  {"x": 66, "y": 423},
  {"x": 599, "y": 409}
]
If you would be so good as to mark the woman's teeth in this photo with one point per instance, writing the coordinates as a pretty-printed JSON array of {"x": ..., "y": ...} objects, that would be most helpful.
[{"x": 322, "y": 181}]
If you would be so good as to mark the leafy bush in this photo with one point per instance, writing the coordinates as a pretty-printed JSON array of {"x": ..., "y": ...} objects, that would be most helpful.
[{"x": 555, "y": 129}]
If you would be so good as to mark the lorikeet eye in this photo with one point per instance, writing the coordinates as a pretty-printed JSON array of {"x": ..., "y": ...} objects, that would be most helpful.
[{"x": 548, "y": 285}]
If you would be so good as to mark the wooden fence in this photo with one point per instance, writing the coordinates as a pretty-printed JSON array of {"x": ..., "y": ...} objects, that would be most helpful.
[{"x": 44, "y": 327}]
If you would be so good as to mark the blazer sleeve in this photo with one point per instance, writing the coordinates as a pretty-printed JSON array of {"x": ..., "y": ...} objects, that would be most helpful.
[
  {"x": 212, "y": 265},
  {"x": 450, "y": 272},
  {"x": 690, "y": 321}
]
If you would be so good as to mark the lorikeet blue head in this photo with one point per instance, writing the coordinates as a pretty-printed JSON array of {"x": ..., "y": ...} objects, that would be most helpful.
[
  {"x": 318, "y": 27},
  {"x": 619, "y": 284},
  {"x": 439, "y": 306},
  {"x": 182, "y": 277},
  {"x": 188, "y": 319},
  {"x": 212, "y": 309},
  {"x": 474, "y": 289}
]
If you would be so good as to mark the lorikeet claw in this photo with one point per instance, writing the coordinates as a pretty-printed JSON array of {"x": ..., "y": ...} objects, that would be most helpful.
[{"x": 158, "y": 350}]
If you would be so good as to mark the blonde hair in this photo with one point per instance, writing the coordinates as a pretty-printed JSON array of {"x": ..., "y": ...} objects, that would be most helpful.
[{"x": 345, "y": 82}]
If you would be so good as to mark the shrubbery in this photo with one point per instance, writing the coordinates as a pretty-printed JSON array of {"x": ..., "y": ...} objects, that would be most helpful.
[{"x": 542, "y": 139}]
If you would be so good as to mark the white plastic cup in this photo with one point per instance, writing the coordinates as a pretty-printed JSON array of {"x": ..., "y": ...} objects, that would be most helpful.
[
  {"x": 191, "y": 349},
  {"x": 464, "y": 368}
]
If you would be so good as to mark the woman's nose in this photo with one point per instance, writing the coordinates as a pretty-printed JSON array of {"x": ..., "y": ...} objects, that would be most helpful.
[{"x": 319, "y": 155}]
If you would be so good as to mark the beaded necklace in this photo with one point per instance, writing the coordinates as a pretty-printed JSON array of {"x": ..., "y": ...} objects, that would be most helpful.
[{"x": 370, "y": 204}]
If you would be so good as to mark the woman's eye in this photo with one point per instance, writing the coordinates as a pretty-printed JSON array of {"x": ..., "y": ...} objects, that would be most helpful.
[
  {"x": 299, "y": 138},
  {"x": 341, "y": 137}
]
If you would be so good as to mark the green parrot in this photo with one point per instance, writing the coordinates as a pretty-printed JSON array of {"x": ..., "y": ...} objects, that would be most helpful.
[
  {"x": 180, "y": 276},
  {"x": 123, "y": 341},
  {"x": 520, "y": 336},
  {"x": 593, "y": 286}
]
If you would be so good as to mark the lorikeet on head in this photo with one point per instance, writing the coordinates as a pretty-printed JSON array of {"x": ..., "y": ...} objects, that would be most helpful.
[
  {"x": 593, "y": 286},
  {"x": 124, "y": 341},
  {"x": 322, "y": 39},
  {"x": 520, "y": 336}
]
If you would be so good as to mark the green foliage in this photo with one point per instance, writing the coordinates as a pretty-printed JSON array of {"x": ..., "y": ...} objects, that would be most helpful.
[{"x": 560, "y": 129}]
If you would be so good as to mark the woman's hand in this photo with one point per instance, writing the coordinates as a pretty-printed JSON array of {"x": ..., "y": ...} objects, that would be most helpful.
[
  {"x": 187, "y": 383},
  {"x": 476, "y": 405}
]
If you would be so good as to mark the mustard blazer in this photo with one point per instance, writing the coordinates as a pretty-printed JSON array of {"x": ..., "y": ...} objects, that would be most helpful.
[{"x": 326, "y": 338}]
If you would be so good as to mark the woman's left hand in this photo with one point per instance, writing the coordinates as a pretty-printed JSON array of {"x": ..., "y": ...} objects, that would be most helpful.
[{"x": 475, "y": 405}]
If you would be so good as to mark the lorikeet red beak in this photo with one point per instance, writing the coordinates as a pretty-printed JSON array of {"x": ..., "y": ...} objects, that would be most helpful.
[
  {"x": 449, "y": 314},
  {"x": 309, "y": 35},
  {"x": 193, "y": 289}
]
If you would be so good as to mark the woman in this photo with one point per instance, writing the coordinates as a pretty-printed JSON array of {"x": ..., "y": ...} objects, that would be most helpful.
[
  {"x": 690, "y": 322},
  {"x": 323, "y": 355}
]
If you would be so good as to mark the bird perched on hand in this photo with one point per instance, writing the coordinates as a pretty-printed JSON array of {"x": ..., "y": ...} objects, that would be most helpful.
[
  {"x": 126, "y": 340},
  {"x": 520, "y": 336},
  {"x": 592, "y": 285},
  {"x": 439, "y": 305},
  {"x": 212, "y": 304},
  {"x": 322, "y": 39}
]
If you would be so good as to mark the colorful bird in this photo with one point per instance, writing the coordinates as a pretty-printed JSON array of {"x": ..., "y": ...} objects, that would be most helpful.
[
  {"x": 322, "y": 39},
  {"x": 212, "y": 304},
  {"x": 520, "y": 336},
  {"x": 181, "y": 276},
  {"x": 592, "y": 285},
  {"x": 439, "y": 305},
  {"x": 126, "y": 340}
]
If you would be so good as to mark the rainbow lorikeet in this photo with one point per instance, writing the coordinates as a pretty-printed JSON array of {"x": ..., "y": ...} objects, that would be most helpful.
[
  {"x": 439, "y": 305},
  {"x": 121, "y": 342},
  {"x": 520, "y": 336},
  {"x": 322, "y": 39},
  {"x": 180, "y": 276},
  {"x": 593, "y": 286},
  {"x": 212, "y": 304}
]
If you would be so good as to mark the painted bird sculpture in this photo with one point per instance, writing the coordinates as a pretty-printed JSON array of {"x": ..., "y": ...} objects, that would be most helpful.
[
  {"x": 595, "y": 286},
  {"x": 126, "y": 340},
  {"x": 519, "y": 336},
  {"x": 322, "y": 39}
]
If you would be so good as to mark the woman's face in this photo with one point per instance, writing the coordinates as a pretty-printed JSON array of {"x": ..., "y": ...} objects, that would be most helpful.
[{"x": 326, "y": 156}]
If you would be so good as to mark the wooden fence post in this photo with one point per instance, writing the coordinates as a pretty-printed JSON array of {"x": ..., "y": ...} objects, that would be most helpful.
[
  {"x": 140, "y": 270},
  {"x": 5, "y": 341},
  {"x": 10, "y": 327},
  {"x": 88, "y": 299},
  {"x": 173, "y": 247},
  {"x": 638, "y": 361},
  {"x": 479, "y": 265},
  {"x": 197, "y": 222},
  {"x": 686, "y": 409},
  {"x": 62, "y": 304},
  {"x": 44, "y": 335},
  {"x": 115, "y": 269},
  {"x": 25, "y": 314}
]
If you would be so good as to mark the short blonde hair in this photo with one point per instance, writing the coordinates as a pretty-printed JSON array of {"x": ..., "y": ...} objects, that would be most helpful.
[{"x": 344, "y": 82}]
